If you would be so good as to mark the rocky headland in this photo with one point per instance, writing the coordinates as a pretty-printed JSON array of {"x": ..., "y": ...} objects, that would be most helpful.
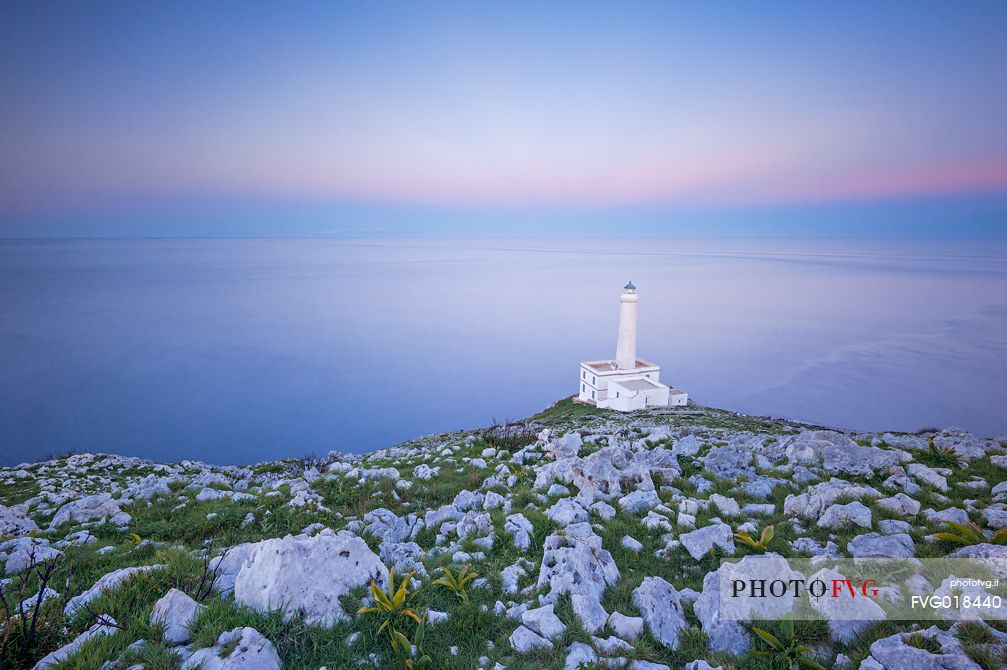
[{"x": 578, "y": 538}]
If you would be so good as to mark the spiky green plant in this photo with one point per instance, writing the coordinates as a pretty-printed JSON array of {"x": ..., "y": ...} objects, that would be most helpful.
[
  {"x": 457, "y": 583},
  {"x": 411, "y": 654},
  {"x": 970, "y": 533},
  {"x": 788, "y": 653},
  {"x": 391, "y": 606},
  {"x": 760, "y": 545}
]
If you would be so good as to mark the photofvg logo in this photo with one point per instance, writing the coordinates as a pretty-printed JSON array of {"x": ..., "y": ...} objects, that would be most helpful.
[
  {"x": 835, "y": 587},
  {"x": 769, "y": 586}
]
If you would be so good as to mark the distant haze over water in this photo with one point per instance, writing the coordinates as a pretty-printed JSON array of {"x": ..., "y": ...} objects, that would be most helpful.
[{"x": 236, "y": 351}]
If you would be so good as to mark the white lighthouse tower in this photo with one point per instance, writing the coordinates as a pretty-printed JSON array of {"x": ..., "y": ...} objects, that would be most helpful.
[
  {"x": 626, "y": 382},
  {"x": 625, "y": 348}
]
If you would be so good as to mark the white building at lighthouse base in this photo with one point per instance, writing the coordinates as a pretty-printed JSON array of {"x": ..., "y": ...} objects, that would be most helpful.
[
  {"x": 603, "y": 384},
  {"x": 627, "y": 382}
]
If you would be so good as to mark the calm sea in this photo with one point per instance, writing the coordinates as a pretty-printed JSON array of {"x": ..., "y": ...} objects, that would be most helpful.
[{"x": 236, "y": 351}]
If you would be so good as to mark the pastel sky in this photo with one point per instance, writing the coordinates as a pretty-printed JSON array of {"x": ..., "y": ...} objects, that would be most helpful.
[{"x": 255, "y": 118}]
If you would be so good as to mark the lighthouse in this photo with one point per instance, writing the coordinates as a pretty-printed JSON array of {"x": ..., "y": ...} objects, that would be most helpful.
[
  {"x": 627, "y": 382},
  {"x": 625, "y": 348}
]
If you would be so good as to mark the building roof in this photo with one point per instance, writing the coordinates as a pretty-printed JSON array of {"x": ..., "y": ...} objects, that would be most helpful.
[
  {"x": 636, "y": 384},
  {"x": 608, "y": 366},
  {"x": 629, "y": 287}
]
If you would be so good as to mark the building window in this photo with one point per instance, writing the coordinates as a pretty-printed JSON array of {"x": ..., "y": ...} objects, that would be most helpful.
[
  {"x": 582, "y": 388},
  {"x": 592, "y": 394},
  {"x": 616, "y": 394},
  {"x": 583, "y": 374},
  {"x": 594, "y": 381}
]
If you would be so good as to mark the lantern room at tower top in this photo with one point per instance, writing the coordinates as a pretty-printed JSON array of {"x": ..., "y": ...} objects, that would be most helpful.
[{"x": 627, "y": 382}]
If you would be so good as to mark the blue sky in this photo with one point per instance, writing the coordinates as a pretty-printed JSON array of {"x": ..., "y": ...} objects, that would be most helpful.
[{"x": 131, "y": 119}]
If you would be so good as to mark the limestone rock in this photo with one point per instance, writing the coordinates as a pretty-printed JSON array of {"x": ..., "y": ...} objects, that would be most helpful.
[
  {"x": 996, "y": 516},
  {"x": 227, "y": 566},
  {"x": 874, "y": 545},
  {"x": 661, "y": 609},
  {"x": 578, "y": 656},
  {"x": 567, "y": 511},
  {"x": 575, "y": 562},
  {"x": 992, "y": 556},
  {"x": 20, "y": 553},
  {"x": 900, "y": 503},
  {"x": 639, "y": 501},
  {"x": 813, "y": 502},
  {"x": 854, "y": 513},
  {"x": 14, "y": 521},
  {"x": 405, "y": 557},
  {"x": 109, "y": 582},
  {"x": 176, "y": 611},
  {"x": 590, "y": 613},
  {"x": 700, "y": 664},
  {"x": 525, "y": 639},
  {"x": 729, "y": 461},
  {"x": 929, "y": 476},
  {"x": 892, "y": 653},
  {"x": 837, "y": 453},
  {"x": 955, "y": 514},
  {"x": 99, "y": 507},
  {"x": 389, "y": 527},
  {"x": 543, "y": 620},
  {"x": 307, "y": 574},
  {"x": 238, "y": 649},
  {"x": 702, "y": 540},
  {"x": 609, "y": 472},
  {"x": 631, "y": 543},
  {"x": 625, "y": 627}
]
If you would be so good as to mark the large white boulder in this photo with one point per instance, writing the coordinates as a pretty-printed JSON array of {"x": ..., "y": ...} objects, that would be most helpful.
[
  {"x": 21, "y": 553},
  {"x": 389, "y": 527},
  {"x": 225, "y": 567},
  {"x": 610, "y": 472},
  {"x": 176, "y": 611},
  {"x": 837, "y": 453},
  {"x": 238, "y": 649},
  {"x": 14, "y": 521},
  {"x": 815, "y": 499},
  {"x": 305, "y": 574},
  {"x": 108, "y": 582},
  {"x": 99, "y": 507},
  {"x": 661, "y": 608},
  {"x": 575, "y": 562}
]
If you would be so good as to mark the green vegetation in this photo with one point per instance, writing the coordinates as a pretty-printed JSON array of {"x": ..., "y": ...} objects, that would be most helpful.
[
  {"x": 971, "y": 533},
  {"x": 456, "y": 583},
  {"x": 391, "y": 606},
  {"x": 762, "y": 543},
  {"x": 785, "y": 651}
]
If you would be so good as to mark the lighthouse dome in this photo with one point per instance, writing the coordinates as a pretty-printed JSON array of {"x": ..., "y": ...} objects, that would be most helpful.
[{"x": 629, "y": 287}]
